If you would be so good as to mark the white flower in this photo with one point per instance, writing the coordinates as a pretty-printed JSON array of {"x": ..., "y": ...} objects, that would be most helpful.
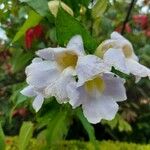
[
  {"x": 66, "y": 60},
  {"x": 54, "y": 69},
  {"x": 39, "y": 74},
  {"x": 37, "y": 93},
  {"x": 118, "y": 52},
  {"x": 98, "y": 92}
]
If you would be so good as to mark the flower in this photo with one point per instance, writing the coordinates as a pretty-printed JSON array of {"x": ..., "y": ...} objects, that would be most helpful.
[
  {"x": 118, "y": 52},
  {"x": 127, "y": 28},
  {"x": 48, "y": 75},
  {"x": 141, "y": 20},
  {"x": 36, "y": 73},
  {"x": 98, "y": 92},
  {"x": 33, "y": 34}
]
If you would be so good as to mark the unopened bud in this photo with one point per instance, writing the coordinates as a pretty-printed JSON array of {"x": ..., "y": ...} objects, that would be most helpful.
[{"x": 55, "y": 4}]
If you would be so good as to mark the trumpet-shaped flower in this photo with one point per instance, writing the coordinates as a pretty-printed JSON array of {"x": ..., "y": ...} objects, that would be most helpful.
[
  {"x": 54, "y": 69},
  {"x": 118, "y": 52},
  {"x": 98, "y": 92}
]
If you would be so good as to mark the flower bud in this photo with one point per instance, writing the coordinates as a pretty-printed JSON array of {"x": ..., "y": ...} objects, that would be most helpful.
[
  {"x": 55, "y": 4},
  {"x": 102, "y": 48}
]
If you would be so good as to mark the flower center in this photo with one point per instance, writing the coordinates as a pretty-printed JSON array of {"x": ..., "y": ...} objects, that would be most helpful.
[
  {"x": 67, "y": 59},
  {"x": 127, "y": 51},
  {"x": 96, "y": 84}
]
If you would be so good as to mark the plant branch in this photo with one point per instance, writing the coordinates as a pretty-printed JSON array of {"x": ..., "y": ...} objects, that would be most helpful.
[{"x": 128, "y": 15}]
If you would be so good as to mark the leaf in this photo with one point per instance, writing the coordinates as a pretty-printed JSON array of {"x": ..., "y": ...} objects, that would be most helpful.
[
  {"x": 40, "y": 6},
  {"x": 76, "y": 4},
  {"x": 16, "y": 97},
  {"x": 124, "y": 125},
  {"x": 99, "y": 8},
  {"x": 67, "y": 26},
  {"x": 32, "y": 20},
  {"x": 119, "y": 123},
  {"x": 87, "y": 126},
  {"x": 58, "y": 127},
  {"x": 20, "y": 59},
  {"x": 25, "y": 135},
  {"x": 2, "y": 139},
  {"x": 112, "y": 123}
]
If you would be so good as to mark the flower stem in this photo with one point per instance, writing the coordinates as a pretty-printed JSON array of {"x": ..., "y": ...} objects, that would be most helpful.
[{"x": 128, "y": 15}]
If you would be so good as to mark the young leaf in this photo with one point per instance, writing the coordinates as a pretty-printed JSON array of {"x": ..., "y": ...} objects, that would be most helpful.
[
  {"x": 87, "y": 126},
  {"x": 67, "y": 26},
  {"x": 32, "y": 20},
  {"x": 2, "y": 139},
  {"x": 25, "y": 135}
]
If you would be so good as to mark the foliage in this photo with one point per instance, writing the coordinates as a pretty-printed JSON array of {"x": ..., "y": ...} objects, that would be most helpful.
[
  {"x": 73, "y": 145},
  {"x": 25, "y": 135},
  {"x": 2, "y": 139}
]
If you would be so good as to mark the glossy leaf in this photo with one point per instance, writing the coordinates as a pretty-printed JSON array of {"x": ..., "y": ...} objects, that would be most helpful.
[{"x": 68, "y": 26}]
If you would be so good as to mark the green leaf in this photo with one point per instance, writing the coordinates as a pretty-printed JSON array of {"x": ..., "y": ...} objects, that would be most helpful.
[
  {"x": 87, "y": 126},
  {"x": 99, "y": 8},
  {"x": 2, "y": 139},
  {"x": 76, "y": 4},
  {"x": 20, "y": 59},
  {"x": 25, "y": 135},
  {"x": 17, "y": 98},
  {"x": 118, "y": 122},
  {"x": 58, "y": 126},
  {"x": 32, "y": 20},
  {"x": 40, "y": 6},
  {"x": 124, "y": 125},
  {"x": 67, "y": 26}
]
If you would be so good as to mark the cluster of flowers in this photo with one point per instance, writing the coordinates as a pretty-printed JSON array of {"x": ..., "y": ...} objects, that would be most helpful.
[{"x": 79, "y": 79}]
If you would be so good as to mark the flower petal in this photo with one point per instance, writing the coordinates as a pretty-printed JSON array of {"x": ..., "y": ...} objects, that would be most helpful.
[
  {"x": 137, "y": 69},
  {"x": 121, "y": 41},
  {"x": 76, "y": 44},
  {"x": 116, "y": 36},
  {"x": 114, "y": 87},
  {"x": 37, "y": 66},
  {"x": 28, "y": 91},
  {"x": 116, "y": 58},
  {"x": 76, "y": 94},
  {"x": 58, "y": 88},
  {"x": 41, "y": 74},
  {"x": 89, "y": 66},
  {"x": 38, "y": 101},
  {"x": 49, "y": 53},
  {"x": 100, "y": 107}
]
